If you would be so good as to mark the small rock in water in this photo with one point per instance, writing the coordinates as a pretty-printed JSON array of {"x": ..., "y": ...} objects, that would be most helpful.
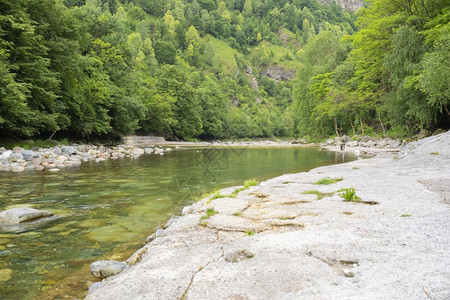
[
  {"x": 17, "y": 168},
  {"x": 95, "y": 286},
  {"x": 105, "y": 268},
  {"x": 22, "y": 214},
  {"x": 54, "y": 170},
  {"x": 38, "y": 168}
]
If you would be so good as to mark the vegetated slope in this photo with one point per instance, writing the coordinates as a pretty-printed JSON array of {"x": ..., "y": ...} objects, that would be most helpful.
[
  {"x": 220, "y": 69},
  {"x": 182, "y": 69}
]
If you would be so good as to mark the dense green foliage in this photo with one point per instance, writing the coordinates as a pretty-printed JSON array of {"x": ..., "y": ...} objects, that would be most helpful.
[
  {"x": 205, "y": 68},
  {"x": 394, "y": 77}
]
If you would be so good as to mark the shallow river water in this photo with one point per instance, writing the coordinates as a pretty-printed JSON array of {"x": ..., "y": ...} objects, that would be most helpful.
[{"x": 108, "y": 209}]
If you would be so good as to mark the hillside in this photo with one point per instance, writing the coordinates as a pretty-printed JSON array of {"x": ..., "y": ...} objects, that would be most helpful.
[{"x": 209, "y": 69}]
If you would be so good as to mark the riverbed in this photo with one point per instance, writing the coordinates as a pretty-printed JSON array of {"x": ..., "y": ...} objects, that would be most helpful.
[{"x": 107, "y": 209}]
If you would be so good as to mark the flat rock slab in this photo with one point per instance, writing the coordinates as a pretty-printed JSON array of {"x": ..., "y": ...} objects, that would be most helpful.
[
  {"x": 234, "y": 223},
  {"x": 22, "y": 214},
  {"x": 229, "y": 205}
]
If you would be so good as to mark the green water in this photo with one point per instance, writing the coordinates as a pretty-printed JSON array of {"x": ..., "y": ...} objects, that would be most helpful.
[{"x": 108, "y": 209}]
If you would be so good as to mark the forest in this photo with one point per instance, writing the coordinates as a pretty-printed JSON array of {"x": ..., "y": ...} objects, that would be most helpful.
[{"x": 211, "y": 69}]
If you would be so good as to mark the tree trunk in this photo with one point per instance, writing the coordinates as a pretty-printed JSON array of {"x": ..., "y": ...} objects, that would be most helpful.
[
  {"x": 323, "y": 130},
  {"x": 382, "y": 126},
  {"x": 362, "y": 126},
  {"x": 353, "y": 128},
  {"x": 446, "y": 109},
  {"x": 335, "y": 126}
]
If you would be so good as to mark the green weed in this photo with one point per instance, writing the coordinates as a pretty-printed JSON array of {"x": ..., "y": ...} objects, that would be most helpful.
[
  {"x": 247, "y": 185},
  {"x": 250, "y": 232},
  {"x": 328, "y": 180},
  {"x": 434, "y": 153},
  {"x": 237, "y": 214},
  {"x": 209, "y": 213},
  {"x": 320, "y": 195},
  {"x": 349, "y": 195}
]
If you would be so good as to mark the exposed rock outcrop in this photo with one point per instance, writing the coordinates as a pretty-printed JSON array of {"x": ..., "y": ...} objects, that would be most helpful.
[
  {"x": 353, "y": 5},
  {"x": 278, "y": 73}
]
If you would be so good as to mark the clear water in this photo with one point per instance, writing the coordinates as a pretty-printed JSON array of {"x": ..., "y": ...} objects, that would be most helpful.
[{"x": 108, "y": 209}]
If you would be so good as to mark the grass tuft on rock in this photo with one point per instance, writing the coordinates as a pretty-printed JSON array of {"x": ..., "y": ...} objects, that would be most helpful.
[
  {"x": 209, "y": 213},
  {"x": 320, "y": 195},
  {"x": 328, "y": 180}
]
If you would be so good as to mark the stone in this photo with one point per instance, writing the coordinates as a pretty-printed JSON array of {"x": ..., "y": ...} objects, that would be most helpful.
[
  {"x": 352, "y": 144},
  {"x": 53, "y": 169},
  {"x": 137, "y": 256},
  {"x": 5, "y": 154},
  {"x": 17, "y": 169},
  {"x": 106, "y": 268},
  {"x": 381, "y": 144},
  {"x": 365, "y": 139},
  {"x": 423, "y": 134},
  {"x": 5, "y": 274},
  {"x": 69, "y": 150},
  {"x": 14, "y": 157},
  {"x": 18, "y": 149},
  {"x": 28, "y": 155},
  {"x": 22, "y": 214},
  {"x": 153, "y": 236},
  {"x": 95, "y": 286},
  {"x": 438, "y": 131},
  {"x": 329, "y": 142},
  {"x": 148, "y": 150}
]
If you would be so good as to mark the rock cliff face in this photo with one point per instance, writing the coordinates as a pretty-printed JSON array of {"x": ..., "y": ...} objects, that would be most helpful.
[
  {"x": 278, "y": 73},
  {"x": 353, "y": 5}
]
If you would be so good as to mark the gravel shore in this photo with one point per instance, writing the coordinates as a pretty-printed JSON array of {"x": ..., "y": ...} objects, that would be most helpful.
[{"x": 276, "y": 240}]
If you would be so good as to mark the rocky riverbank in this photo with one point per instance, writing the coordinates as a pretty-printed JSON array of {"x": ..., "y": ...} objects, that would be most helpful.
[
  {"x": 58, "y": 158},
  {"x": 62, "y": 157},
  {"x": 293, "y": 238}
]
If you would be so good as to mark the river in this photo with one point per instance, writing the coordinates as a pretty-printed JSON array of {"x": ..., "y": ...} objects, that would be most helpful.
[{"x": 108, "y": 209}]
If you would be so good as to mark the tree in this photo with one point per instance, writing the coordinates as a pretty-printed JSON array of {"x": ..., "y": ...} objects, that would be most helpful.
[{"x": 165, "y": 53}]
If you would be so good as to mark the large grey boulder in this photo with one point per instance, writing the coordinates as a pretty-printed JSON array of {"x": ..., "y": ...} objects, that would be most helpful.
[
  {"x": 69, "y": 150},
  {"x": 22, "y": 214},
  {"x": 105, "y": 268},
  {"x": 28, "y": 154}
]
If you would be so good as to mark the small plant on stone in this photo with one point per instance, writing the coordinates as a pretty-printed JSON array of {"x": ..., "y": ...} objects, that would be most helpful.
[
  {"x": 209, "y": 213},
  {"x": 319, "y": 194},
  {"x": 217, "y": 195},
  {"x": 434, "y": 153},
  {"x": 328, "y": 180},
  {"x": 355, "y": 168},
  {"x": 349, "y": 195},
  {"x": 204, "y": 224},
  {"x": 237, "y": 214},
  {"x": 405, "y": 216},
  {"x": 247, "y": 185},
  {"x": 250, "y": 232}
]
